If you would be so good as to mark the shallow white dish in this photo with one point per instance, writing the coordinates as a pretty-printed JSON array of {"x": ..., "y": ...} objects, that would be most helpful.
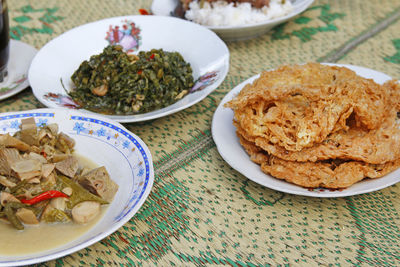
[
  {"x": 21, "y": 55},
  {"x": 224, "y": 135},
  {"x": 235, "y": 33},
  {"x": 204, "y": 50},
  {"x": 106, "y": 143}
]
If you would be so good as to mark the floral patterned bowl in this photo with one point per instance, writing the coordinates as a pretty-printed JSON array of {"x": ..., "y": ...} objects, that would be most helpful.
[
  {"x": 106, "y": 143},
  {"x": 54, "y": 64}
]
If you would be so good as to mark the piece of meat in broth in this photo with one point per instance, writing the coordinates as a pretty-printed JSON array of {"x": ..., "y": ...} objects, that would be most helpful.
[
  {"x": 10, "y": 141},
  {"x": 7, "y": 157},
  {"x": 98, "y": 182},
  {"x": 85, "y": 211},
  {"x": 68, "y": 166},
  {"x": 27, "y": 216},
  {"x": 64, "y": 143},
  {"x": 27, "y": 169},
  {"x": 28, "y": 133}
]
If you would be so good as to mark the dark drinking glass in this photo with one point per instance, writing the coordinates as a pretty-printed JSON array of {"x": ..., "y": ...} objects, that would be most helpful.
[{"x": 4, "y": 39}]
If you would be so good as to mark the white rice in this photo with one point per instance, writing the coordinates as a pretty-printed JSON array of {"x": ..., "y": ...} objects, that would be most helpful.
[{"x": 223, "y": 14}]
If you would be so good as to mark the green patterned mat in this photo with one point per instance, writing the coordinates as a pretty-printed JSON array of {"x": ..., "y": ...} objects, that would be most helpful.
[{"x": 200, "y": 211}]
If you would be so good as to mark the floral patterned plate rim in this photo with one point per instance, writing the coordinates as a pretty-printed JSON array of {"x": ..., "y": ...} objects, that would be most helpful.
[
  {"x": 107, "y": 143},
  {"x": 57, "y": 60},
  {"x": 21, "y": 55},
  {"x": 227, "y": 142}
]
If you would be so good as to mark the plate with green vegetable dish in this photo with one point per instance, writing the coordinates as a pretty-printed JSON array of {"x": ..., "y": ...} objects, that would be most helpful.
[{"x": 131, "y": 68}]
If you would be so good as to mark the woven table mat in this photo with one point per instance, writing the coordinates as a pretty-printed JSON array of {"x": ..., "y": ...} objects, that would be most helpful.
[{"x": 200, "y": 211}]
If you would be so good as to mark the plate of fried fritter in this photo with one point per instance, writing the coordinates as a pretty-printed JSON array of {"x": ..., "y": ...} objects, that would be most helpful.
[{"x": 323, "y": 130}]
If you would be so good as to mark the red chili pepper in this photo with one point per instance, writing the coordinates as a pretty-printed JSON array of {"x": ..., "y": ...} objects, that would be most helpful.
[
  {"x": 139, "y": 72},
  {"x": 152, "y": 56},
  {"x": 143, "y": 11},
  {"x": 44, "y": 154},
  {"x": 44, "y": 196}
]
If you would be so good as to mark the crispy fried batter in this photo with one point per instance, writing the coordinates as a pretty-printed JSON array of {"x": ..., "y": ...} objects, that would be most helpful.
[
  {"x": 298, "y": 106},
  {"x": 375, "y": 146},
  {"x": 319, "y": 126},
  {"x": 327, "y": 174},
  {"x": 393, "y": 87}
]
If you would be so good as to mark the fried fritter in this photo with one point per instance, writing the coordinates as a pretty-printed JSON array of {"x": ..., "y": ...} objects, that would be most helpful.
[
  {"x": 297, "y": 106},
  {"x": 375, "y": 146},
  {"x": 328, "y": 174},
  {"x": 319, "y": 126},
  {"x": 393, "y": 87}
]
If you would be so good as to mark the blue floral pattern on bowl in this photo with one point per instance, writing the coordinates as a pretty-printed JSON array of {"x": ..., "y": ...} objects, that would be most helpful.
[{"x": 125, "y": 156}]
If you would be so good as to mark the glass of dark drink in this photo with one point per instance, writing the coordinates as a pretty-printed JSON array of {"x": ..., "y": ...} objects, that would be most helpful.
[{"x": 4, "y": 39}]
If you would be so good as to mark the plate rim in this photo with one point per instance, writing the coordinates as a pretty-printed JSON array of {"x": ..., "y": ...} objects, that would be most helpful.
[
  {"x": 225, "y": 59},
  {"x": 25, "y": 84},
  {"x": 303, "y": 5},
  {"x": 60, "y": 250},
  {"x": 297, "y": 190}
]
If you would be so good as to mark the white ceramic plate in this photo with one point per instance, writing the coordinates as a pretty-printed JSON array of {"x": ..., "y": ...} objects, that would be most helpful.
[
  {"x": 106, "y": 143},
  {"x": 58, "y": 59},
  {"x": 235, "y": 33},
  {"x": 21, "y": 55},
  {"x": 224, "y": 134}
]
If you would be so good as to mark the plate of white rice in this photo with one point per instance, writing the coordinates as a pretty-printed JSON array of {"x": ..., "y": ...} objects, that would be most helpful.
[{"x": 231, "y": 21}]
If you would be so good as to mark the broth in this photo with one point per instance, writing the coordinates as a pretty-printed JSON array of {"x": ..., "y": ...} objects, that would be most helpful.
[
  {"x": 40, "y": 237},
  {"x": 45, "y": 236}
]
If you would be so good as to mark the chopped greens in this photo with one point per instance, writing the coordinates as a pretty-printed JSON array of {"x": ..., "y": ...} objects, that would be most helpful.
[{"x": 115, "y": 82}]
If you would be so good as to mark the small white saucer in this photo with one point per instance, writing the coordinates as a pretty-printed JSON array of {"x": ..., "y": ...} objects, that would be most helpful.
[{"x": 21, "y": 55}]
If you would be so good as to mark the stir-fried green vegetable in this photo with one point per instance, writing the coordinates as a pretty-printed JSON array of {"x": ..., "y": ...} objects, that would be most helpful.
[{"x": 114, "y": 82}]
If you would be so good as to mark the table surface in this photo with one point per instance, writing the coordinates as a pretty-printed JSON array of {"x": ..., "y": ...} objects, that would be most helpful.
[{"x": 201, "y": 211}]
